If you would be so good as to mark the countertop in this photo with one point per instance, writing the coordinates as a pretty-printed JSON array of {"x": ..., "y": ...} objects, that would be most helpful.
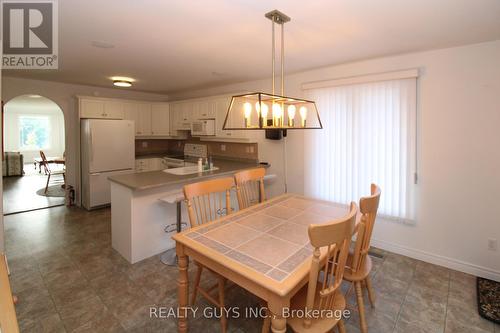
[{"x": 148, "y": 180}]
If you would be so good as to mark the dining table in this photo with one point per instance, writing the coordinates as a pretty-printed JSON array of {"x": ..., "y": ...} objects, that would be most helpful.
[{"x": 264, "y": 249}]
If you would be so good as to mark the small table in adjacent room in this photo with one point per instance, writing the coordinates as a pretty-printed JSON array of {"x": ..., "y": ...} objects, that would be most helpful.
[{"x": 264, "y": 249}]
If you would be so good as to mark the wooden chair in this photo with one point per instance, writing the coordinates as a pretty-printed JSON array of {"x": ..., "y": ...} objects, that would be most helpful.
[
  {"x": 331, "y": 247},
  {"x": 250, "y": 187},
  {"x": 49, "y": 172},
  {"x": 359, "y": 263},
  {"x": 208, "y": 201}
]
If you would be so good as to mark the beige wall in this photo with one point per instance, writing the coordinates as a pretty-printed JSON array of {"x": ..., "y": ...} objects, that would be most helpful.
[
  {"x": 458, "y": 155},
  {"x": 65, "y": 96}
]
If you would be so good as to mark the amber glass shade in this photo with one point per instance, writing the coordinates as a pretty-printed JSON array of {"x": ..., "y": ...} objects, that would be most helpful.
[{"x": 265, "y": 111}]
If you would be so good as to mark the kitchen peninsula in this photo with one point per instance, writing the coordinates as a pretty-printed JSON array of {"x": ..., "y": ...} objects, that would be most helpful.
[{"x": 139, "y": 215}]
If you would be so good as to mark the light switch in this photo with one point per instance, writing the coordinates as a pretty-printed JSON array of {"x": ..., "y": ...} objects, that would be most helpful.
[
  {"x": 144, "y": 144},
  {"x": 223, "y": 147}
]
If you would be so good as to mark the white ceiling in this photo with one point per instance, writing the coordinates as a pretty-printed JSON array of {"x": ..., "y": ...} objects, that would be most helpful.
[
  {"x": 32, "y": 103},
  {"x": 172, "y": 45}
]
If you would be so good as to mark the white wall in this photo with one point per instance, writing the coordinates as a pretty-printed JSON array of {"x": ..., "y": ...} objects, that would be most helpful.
[
  {"x": 458, "y": 154},
  {"x": 12, "y": 112},
  {"x": 64, "y": 95}
]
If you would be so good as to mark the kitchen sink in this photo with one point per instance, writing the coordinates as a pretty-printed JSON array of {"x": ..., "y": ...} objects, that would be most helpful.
[{"x": 187, "y": 170}]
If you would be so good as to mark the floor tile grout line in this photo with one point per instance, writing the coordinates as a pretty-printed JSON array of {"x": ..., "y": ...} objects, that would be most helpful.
[
  {"x": 404, "y": 301},
  {"x": 447, "y": 301}
]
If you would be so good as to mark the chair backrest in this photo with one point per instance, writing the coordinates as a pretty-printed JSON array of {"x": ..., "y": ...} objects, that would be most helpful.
[
  {"x": 208, "y": 200},
  {"x": 250, "y": 187},
  {"x": 368, "y": 206},
  {"x": 335, "y": 238},
  {"x": 45, "y": 163}
]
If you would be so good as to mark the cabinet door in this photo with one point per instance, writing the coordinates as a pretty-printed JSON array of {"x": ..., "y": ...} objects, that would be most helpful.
[
  {"x": 221, "y": 105},
  {"x": 131, "y": 112},
  {"x": 113, "y": 109},
  {"x": 160, "y": 119},
  {"x": 91, "y": 108},
  {"x": 186, "y": 115},
  {"x": 205, "y": 111},
  {"x": 175, "y": 116},
  {"x": 144, "y": 118}
]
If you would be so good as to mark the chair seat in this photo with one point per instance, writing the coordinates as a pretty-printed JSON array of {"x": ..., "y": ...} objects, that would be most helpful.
[
  {"x": 359, "y": 275},
  {"x": 324, "y": 324}
]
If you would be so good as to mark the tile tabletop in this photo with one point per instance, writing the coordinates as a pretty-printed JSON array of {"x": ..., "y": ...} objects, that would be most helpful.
[{"x": 270, "y": 238}]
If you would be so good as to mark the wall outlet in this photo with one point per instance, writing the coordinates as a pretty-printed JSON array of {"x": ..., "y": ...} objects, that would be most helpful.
[
  {"x": 492, "y": 244},
  {"x": 252, "y": 150},
  {"x": 144, "y": 144},
  {"x": 223, "y": 147},
  {"x": 247, "y": 150}
]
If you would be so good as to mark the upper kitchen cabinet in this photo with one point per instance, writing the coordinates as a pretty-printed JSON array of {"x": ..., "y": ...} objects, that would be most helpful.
[
  {"x": 181, "y": 115},
  {"x": 204, "y": 109},
  {"x": 140, "y": 113},
  {"x": 160, "y": 119},
  {"x": 221, "y": 105},
  {"x": 100, "y": 108}
]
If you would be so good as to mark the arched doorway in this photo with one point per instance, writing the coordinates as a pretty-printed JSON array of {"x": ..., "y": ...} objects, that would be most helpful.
[{"x": 31, "y": 124}]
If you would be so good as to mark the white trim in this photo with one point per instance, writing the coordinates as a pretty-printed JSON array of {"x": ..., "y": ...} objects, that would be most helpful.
[
  {"x": 447, "y": 262},
  {"x": 376, "y": 77}
]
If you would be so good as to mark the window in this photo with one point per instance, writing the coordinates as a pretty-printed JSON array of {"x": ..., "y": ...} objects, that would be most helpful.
[
  {"x": 368, "y": 137},
  {"x": 34, "y": 132}
]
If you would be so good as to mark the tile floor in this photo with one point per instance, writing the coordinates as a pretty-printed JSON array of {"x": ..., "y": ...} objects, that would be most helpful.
[{"x": 69, "y": 279}]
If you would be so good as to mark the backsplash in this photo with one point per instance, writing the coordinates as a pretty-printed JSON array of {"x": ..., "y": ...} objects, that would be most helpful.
[{"x": 215, "y": 148}]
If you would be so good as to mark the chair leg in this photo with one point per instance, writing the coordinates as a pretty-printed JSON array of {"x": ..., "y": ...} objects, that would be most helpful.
[
  {"x": 223, "y": 319},
  {"x": 47, "y": 186},
  {"x": 371, "y": 294},
  {"x": 196, "y": 283},
  {"x": 361, "y": 307},
  {"x": 341, "y": 326}
]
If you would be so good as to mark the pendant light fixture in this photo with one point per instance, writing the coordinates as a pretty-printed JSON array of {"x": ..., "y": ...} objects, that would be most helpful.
[{"x": 267, "y": 111}]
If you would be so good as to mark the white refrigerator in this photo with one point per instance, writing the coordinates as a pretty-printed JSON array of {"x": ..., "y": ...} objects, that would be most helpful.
[{"x": 107, "y": 149}]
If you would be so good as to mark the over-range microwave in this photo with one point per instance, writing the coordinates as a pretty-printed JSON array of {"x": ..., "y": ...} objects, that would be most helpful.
[{"x": 204, "y": 127}]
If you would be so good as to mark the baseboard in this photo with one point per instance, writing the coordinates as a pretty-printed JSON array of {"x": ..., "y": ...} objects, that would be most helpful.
[{"x": 438, "y": 260}]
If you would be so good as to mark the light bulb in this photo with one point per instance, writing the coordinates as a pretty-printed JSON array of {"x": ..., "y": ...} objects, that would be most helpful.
[
  {"x": 257, "y": 107},
  {"x": 303, "y": 115},
  {"x": 247, "y": 107},
  {"x": 291, "y": 115},
  {"x": 276, "y": 110},
  {"x": 264, "y": 109}
]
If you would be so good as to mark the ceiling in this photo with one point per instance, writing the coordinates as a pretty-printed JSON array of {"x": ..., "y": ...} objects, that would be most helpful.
[
  {"x": 32, "y": 103},
  {"x": 177, "y": 45}
]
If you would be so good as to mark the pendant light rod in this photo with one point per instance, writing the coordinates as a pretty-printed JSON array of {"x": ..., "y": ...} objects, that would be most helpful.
[
  {"x": 283, "y": 60},
  {"x": 278, "y": 17},
  {"x": 273, "y": 54}
]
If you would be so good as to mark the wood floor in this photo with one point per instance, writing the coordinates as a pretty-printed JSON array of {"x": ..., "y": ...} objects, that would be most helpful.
[
  {"x": 69, "y": 279},
  {"x": 19, "y": 193}
]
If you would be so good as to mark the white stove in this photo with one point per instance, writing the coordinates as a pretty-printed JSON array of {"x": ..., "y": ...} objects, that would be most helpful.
[{"x": 192, "y": 152}]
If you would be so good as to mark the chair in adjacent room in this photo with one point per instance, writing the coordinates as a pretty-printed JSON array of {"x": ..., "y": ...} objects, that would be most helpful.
[
  {"x": 208, "y": 201},
  {"x": 49, "y": 172},
  {"x": 250, "y": 187},
  {"x": 359, "y": 263}
]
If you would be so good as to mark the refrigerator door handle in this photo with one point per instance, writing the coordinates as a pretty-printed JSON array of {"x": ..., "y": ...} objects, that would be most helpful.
[{"x": 91, "y": 146}]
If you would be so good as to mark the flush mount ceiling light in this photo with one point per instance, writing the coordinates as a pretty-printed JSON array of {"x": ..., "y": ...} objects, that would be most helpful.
[
  {"x": 121, "y": 81},
  {"x": 257, "y": 111}
]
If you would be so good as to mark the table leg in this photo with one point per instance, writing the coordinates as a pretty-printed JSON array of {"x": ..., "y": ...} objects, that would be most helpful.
[
  {"x": 183, "y": 288},
  {"x": 276, "y": 306}
]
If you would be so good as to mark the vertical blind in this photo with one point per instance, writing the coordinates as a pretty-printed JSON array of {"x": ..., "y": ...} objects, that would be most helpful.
[{"x": 369, "y": 137}]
